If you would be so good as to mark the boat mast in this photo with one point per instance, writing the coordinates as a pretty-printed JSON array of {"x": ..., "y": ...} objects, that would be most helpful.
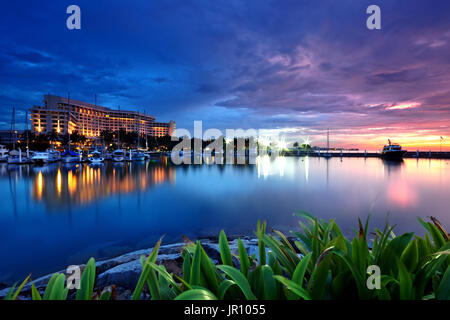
[
  {"x": 118, "y": 137},
  {"x": 12, "y": 128},
  {"x": 139, "y": 131},
  {"x": 26, "y": 130},
  {"x": 68, "y": 109},
  {"x": 328, "y": 139},
  {"x": 98, "y": 128}
]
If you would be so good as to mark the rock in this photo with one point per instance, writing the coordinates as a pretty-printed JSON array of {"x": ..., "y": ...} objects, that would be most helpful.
[
  {"x": 126, "y": 275},
  {"x": 124, "y": 270}
]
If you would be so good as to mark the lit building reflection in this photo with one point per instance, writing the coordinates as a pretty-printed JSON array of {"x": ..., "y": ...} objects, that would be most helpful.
[{"x": 80, "y": 184}]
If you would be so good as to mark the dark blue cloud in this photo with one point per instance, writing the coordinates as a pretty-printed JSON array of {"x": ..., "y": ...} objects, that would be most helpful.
[{"x": 273, "y": 61}]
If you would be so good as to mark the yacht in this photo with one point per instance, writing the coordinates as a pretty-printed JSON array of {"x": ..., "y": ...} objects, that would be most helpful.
[
  {"x": 96, "y": 157},
  {"x": 48, "y": 156},
  {"x": 392, "y": 151},
  {"x": 135, "y": 155},
  {"x": 118, "y": 155},
  {"x": 70, "y": 156},
  {"x": 3, "y": 153},
  {"x": 17, "y": 157}
]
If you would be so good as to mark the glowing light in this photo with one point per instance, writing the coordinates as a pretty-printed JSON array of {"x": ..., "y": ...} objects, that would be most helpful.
[
  {"x": 282, "y": 144},
  {"x": 40, "y": 185},
  {"x": 58, "y": 181},
  {"x": 404, "y": 106}
]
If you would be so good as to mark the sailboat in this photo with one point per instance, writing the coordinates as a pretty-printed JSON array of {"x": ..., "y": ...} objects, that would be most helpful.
[
  {"x": 327, "y": 154},
  {"x": 135, "y": 155},
  {"x": 96, "y": 157},
  {"x": 3, "y": 153},
  {"x": 48, "y": 156},
  {"x": 70, "y": 156},
  {"x": 118, "y": 155},
  {"x": 16, "y": 156}
]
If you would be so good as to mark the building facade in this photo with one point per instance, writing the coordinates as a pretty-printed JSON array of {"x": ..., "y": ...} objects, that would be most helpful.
[{"x": 65, "y": 115}]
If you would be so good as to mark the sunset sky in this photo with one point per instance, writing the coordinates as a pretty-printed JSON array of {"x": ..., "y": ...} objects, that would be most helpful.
[{"x": 296, "y": 66}]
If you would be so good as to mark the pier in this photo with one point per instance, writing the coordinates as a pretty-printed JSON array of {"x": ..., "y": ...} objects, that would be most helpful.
[{"x": 363, "y": 154}]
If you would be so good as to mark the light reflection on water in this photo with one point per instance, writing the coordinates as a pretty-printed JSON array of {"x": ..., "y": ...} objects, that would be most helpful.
[{"x": 57, "y": 215}]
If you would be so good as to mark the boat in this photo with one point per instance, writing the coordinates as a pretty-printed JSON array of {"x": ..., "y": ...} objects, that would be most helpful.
[
  {"x": 107, "y": 155},
  {"x": 327, "y": 155},
  {"x": 17, "y": 157},
  {"x": 96, "y": 157},
  {"x": 3, "y": 153},
  {"x": 118, "y": 155},
  {"x": 70, "y": 156},
  {"x": 48, "y": 156},
  {"x": 135, "y": 155},
  {"x": 392, "y": 151}
]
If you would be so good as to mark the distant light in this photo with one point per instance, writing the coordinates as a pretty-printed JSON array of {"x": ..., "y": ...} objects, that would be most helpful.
[{"x": 282, "y": 144}]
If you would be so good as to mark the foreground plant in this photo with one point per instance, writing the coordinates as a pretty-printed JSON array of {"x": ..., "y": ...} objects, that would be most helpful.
[{"x": 321, "y": 264}]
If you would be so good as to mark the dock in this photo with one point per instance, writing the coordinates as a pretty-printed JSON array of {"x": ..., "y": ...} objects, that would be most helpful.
[{"x": 362, "y": 154}]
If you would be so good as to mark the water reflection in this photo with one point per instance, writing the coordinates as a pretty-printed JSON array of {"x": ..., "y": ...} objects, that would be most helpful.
[
  {"x": 59, "y": 185},
  {"x": 57, "y": 214}
]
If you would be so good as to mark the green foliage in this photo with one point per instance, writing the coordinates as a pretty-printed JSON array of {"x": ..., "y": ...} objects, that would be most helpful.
[{"x": 321, "y": 264}]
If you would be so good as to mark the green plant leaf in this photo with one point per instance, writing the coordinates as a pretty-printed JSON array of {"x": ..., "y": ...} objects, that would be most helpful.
[
  {"x": 35, "y": 293},
  {"x": 443, "y": 291},
  {"x": 224, "y": 286},
  {"x": 146, "y": 270},
  {"x": 294, "y": 287},
  {"x": 196, "y": 266},
  {"x": 239, "y": 279},
  {"x": 224, "y": 249},
  {"x": 300, "y": 270},
  {"x": 59, "y": 292},
  {"x": 87, "y": 281},
  {"x": 196, "y": 294},
  {"x": 243, "y": 257},
  {"x": 270, "y": 285}
]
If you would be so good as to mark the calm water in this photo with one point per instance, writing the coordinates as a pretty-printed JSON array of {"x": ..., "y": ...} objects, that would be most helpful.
[{"x": 57, "y": 215}]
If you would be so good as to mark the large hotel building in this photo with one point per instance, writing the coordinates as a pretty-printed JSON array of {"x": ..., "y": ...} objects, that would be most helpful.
[{"x": 65, "y": 115}]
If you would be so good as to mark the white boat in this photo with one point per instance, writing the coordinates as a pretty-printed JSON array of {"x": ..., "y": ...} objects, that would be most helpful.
[
  {"x": 118, "y": 155},
  {"x": 96, "y": 157},
  {"x": 17, "y": 157},
  {"x": 70, "y": 156},
  {"x": 135, "y": 155},
  {"x": 47, "y": 156},
  {"x": 3, "y": 153}
]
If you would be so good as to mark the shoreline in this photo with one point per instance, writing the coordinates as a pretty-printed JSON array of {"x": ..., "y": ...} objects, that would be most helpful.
[{"x": 123, "y": 271}]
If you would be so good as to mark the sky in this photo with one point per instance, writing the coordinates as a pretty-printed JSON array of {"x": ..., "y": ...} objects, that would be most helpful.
[{"x": 296, "y": 67}]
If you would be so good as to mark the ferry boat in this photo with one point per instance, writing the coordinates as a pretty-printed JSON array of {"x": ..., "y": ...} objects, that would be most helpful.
[
  {"x": 48, "y": 156},
  {"x": 392, "y": 151},
  {"x": 96, "y": 157},
  {"x": 118, "y": 155},
  {"x": 3, "y": 153}
]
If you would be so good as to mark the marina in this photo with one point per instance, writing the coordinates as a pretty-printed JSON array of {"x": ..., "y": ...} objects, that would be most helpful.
[{"x": 59, "y": 213}]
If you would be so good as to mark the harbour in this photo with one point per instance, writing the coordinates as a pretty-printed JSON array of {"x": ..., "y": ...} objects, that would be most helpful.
[{"x": 59, "y": 213}]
